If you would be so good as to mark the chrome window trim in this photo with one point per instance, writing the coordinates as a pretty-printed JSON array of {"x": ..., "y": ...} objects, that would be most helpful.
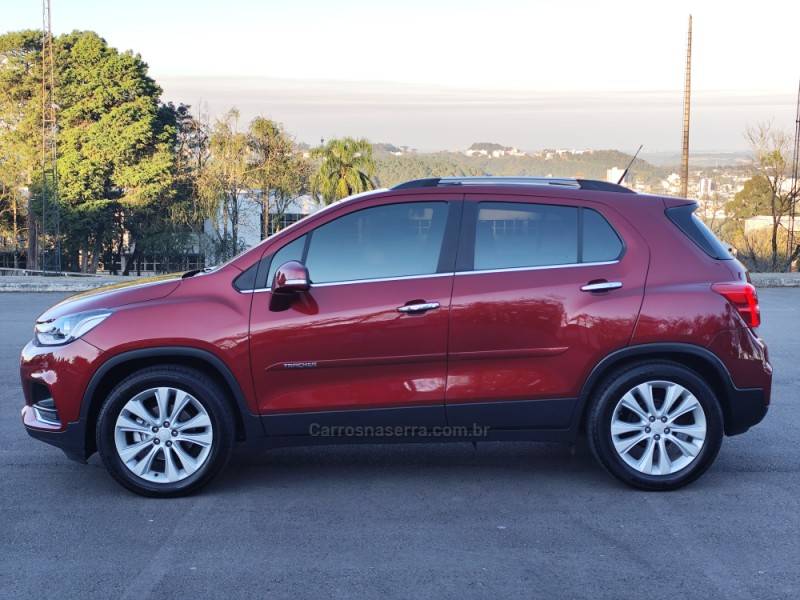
[
  {"x": 537, "y": 268},
  {"x": 379, "y": 279},
  {"x": 473, "y": 272}
]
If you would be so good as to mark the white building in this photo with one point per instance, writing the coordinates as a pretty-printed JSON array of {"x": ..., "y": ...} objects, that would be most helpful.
[
  {"x": 614, "y": 174},
  {"x": 764, "y": 223},
  {"x": 250, "y": 212}
]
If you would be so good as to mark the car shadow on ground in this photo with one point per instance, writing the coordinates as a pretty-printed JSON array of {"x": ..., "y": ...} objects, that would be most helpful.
[{"x": 501, "y": 461}]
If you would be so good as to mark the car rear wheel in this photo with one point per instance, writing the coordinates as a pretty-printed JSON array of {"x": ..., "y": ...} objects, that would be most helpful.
[
  {"x": 165, "y": 431},
  {"x": 656, "y": 426}
]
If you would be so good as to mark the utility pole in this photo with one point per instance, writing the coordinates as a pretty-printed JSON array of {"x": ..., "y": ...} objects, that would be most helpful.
[
  {"x": 687, "y": 93},
  {"x": 49, "y": 149},
  {"x": 795, "y": 186}
]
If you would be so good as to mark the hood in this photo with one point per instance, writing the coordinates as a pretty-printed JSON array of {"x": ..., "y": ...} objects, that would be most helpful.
[{"x": 114, "y": 295}]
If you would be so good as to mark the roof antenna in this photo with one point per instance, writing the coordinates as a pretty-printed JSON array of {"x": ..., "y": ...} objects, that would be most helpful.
[{"x": 625, "y": 172}]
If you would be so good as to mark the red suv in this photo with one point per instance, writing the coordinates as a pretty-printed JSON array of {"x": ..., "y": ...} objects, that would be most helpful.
[{"x": 442, "y": 309}]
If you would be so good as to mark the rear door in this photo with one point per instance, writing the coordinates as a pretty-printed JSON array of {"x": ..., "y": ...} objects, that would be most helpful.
[{"x": 543, "y": 289}]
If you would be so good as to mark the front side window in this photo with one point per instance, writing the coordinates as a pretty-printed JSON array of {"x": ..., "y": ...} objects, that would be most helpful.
[{"x": 394, "y": 240}]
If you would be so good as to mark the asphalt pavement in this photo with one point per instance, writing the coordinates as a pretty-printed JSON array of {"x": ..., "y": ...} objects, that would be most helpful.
[{"x": 438, "y": 521}]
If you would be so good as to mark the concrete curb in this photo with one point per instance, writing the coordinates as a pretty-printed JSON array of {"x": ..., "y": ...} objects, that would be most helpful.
[
  {"x": 35, "y": 283},
  {"x": 775, "y": 280}
]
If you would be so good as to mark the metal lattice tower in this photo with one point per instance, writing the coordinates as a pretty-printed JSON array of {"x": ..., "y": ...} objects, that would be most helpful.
[
  {"x": 49, "y": 259},
  {"x": 687, "y": 93}
]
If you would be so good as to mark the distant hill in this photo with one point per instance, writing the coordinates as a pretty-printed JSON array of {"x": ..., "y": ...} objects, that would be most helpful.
[
  {"x": 392, "y": 170},
  {"x": 488, "y": 146}
]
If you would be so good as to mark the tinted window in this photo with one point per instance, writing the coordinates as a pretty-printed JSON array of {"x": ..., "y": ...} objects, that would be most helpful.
[
  {"x": 525, "y": 235},
  {"x": 683, "y": 216},
  {"x": 291, "y": 251},
  {"x": 600, "y": 241},
  {"x": 385, "y": 241},
  {"x": 247, "y": 280}
]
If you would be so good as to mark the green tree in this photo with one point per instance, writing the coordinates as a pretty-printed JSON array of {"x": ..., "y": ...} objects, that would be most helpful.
[
  {"x": 20, "y": 136},
  {"x": 116, "y": 148},
  {"x": 116, "y": 145},
  {"x": 275, "y": 169},
  {"x": 346, "y": 167},
  {"x": 771, "y": 190},
  {"x": 224, "y": 179},
  {"x": 752, "y": 200},
  {"x": 186, "y": 214}
]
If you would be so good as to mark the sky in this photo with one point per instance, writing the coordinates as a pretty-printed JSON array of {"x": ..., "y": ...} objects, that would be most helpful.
[{"x": 441, "y": 74}]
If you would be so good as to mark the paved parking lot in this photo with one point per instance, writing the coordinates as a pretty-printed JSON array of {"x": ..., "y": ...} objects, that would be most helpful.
[{"x": 433, "y": 521}]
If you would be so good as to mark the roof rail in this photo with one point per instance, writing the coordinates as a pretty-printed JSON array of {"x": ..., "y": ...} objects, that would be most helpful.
[{"x": 577, "y": 184}]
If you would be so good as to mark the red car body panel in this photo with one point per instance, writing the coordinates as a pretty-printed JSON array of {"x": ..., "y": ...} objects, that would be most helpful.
[
  {"x": 204, "y": 312},
  {"x": 546, "y": 334},
  {"x": 347, "y": 346}
]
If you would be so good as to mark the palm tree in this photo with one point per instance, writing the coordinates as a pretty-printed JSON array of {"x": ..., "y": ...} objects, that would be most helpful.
[{"x": 346, "y": 167}]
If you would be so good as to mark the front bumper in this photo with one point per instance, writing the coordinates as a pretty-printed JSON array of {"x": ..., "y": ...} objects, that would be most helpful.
[
  {"x": 71, "y": 438},
  {"x": 58, "y": 375}
]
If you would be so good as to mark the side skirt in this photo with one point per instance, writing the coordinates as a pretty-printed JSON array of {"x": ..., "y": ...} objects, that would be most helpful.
[{"x": 521, "y": 420}]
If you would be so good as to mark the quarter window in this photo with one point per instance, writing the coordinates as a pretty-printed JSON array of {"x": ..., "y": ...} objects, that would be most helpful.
[
  {"x": 600, "y": 242},
  {"x": 394, "y": 240}
]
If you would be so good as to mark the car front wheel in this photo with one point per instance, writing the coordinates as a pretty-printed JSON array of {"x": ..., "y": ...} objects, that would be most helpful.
[
  {"x": 165, "y": 431},
  {"x": 656, "y": 426}
]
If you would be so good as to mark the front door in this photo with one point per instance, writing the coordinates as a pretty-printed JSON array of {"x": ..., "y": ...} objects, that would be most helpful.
[
  {"x": 543, "y": 289},
  {"x": 366, "y": 345}
]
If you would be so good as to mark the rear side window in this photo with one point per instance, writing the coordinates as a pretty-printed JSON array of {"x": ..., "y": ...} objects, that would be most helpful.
[
  {"x": 393, "y": 240},
  {"x": 684, "y": 217},
  {"x": 512, "y": 235}
]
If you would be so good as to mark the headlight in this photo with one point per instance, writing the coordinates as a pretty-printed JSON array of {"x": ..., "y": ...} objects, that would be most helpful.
[{"x": 69, "y": 327}]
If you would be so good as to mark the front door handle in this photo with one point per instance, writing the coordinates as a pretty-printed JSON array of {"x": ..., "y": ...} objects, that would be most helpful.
[
  {"x": 419, "y": 307},
  {"x": 601, "y": 286}
]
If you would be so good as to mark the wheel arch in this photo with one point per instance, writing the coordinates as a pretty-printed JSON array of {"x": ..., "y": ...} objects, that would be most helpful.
[
  {"x": 701, "y": 360},
  {"x": 116, "y": 368}
]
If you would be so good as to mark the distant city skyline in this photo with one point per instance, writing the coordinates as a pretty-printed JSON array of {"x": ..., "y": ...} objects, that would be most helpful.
[{"x": 443, "y": 74}]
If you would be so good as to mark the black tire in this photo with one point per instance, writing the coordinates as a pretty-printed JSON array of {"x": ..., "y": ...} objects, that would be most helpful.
[
  {"x": 605, "y": 401},
  {"x": 204, "y": 390}
]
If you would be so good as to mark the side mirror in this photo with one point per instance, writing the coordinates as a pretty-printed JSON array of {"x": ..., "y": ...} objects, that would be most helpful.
[{"x": 290, "y": 277}]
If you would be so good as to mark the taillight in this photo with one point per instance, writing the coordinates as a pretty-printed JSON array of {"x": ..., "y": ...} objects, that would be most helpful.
[{"x": 743, "y": 296}]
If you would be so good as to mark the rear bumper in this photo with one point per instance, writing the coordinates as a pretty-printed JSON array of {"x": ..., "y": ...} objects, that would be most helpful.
[
  {"x": 746, "y": 407},
  {"x": 749, "y": 378}
]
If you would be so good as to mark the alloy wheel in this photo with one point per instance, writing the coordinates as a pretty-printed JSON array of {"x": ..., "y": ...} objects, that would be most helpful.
[
  {"x": 658, "y": 428},
  {"x": 163, "y": 435}
]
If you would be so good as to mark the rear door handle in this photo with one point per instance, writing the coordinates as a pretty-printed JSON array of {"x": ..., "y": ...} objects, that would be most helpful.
[
  {"x": 601, "y": 286},
  {"x": 419, "y": 307}
]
